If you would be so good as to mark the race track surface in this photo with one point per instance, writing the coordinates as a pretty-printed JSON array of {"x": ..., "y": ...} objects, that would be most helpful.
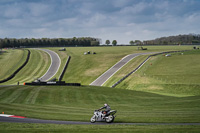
[
  {"x": 29, "y": 120},
  {"x": 55, "y": 64},
  {"x": 109, "y": 73}
]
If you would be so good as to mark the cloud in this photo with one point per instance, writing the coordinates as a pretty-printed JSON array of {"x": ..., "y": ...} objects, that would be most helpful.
[{"x": 123, "y": 20}]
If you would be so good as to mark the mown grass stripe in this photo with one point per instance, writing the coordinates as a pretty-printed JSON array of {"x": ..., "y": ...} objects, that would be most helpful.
[
  {"x": 38, "y": 57},
  {"x": 14, "y": 95},
  {"x": 45, "y": 64},
  {"x": 18, "y": 69},
  {"x": 6, "y": 93},
  {"x": 34, "y": 65},
  {"x": 32, "y": 96},
  {"x": 10, "y": 61},
  {"x": 37, "y": 66},
  {"x": 22, "y": 97},
  {"x": 3, "y": 90}
]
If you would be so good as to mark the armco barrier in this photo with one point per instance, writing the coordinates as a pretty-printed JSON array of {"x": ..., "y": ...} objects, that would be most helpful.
[
  {"x": 142, "y": 64},
  {"x": 13, "y": 75},
  {"x": 64, "y": 69}
]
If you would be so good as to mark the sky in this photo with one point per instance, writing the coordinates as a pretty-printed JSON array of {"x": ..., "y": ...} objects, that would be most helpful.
[{"x": 121, "y": 20}]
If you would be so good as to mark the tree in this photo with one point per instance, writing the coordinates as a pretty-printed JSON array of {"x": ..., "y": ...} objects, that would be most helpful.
[
  {"x": 94, "y": 43},
  {"x": 107, "y": 42},
  {"x": 131, "y": 42},
  {"x": 1, "y": 45},
  {"x": 138, "y": 42},
  {"x": 114, "y": 42}
]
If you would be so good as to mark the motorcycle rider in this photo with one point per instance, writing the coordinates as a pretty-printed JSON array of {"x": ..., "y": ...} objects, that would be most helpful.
[{"x": 106, "y": 111}]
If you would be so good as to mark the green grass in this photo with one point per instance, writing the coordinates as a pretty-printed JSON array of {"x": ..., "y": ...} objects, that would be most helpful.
[
  {"x": 20, "y": 128},
  {"x": 10, "y": 61},
  {"x": 175, "y": 75},
  {"x": 85, "y": 69},
  {"x": 78, "y": 104},
  {"x": 37, "y": 66}
]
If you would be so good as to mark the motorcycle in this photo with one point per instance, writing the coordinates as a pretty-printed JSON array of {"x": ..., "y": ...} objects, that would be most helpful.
[{"x": 100, "y": 116}]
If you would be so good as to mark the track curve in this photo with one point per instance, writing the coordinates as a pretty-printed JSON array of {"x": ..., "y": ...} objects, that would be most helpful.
[{"x": 54, "y": 67}]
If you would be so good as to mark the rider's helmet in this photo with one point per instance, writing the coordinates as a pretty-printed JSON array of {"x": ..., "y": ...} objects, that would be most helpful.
[{"x": 105, "y": 104}]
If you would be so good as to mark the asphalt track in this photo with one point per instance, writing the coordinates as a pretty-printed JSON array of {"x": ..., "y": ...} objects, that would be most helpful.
[
  {"x": 54, "y": 67},
  {"x": 110, "y": 72},
  {"x": 29, "y": 120}
]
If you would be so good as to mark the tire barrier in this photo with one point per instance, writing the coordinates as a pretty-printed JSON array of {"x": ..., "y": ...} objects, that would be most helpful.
[
  {"x": 13, "y": 75},
  {"x": 142, "y": 65},
  {"x": 64, "y": 69}
]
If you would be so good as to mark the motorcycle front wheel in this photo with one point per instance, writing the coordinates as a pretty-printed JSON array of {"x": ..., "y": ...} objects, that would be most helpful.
[{"x": 93, "y": 119}]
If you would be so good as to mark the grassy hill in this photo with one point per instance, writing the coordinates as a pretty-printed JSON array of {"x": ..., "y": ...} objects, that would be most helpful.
[
  {"x": 10, "y": 61},
  {"x": 78, "y": 104},
  {"x": 175, "y": 75},
  {"x": 37, "y": 66},
  {"x": 85, "y": 69}
]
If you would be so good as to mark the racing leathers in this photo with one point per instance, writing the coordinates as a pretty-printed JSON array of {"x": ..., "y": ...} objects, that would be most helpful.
[{"x": 106, "y": 111}]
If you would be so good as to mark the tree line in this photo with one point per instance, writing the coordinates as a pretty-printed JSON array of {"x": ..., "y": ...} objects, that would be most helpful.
[
  {"x": 175, "y": 40},
  {"x": 171, "y": 40},
  {"x": 48, "y": 42}
]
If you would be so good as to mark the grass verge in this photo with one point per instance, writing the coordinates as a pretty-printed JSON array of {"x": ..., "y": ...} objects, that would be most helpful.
[{"x": 20, "y": 128}]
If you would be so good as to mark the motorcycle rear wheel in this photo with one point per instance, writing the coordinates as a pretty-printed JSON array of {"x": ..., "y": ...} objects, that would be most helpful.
[{"x": 110, "y": 119}]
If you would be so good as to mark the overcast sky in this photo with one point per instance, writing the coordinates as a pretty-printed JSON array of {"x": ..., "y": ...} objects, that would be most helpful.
[{"x": 121, "y": 20}]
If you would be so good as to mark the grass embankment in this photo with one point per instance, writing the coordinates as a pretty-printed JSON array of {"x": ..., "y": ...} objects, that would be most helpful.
[
  {"x": 175, "y": 75},
  {"x": 10, "y": 61},
  {"x": 85, "y": 69},
  {"x": 78, "y": 103},
  {"x": 37, "y": 66}
]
